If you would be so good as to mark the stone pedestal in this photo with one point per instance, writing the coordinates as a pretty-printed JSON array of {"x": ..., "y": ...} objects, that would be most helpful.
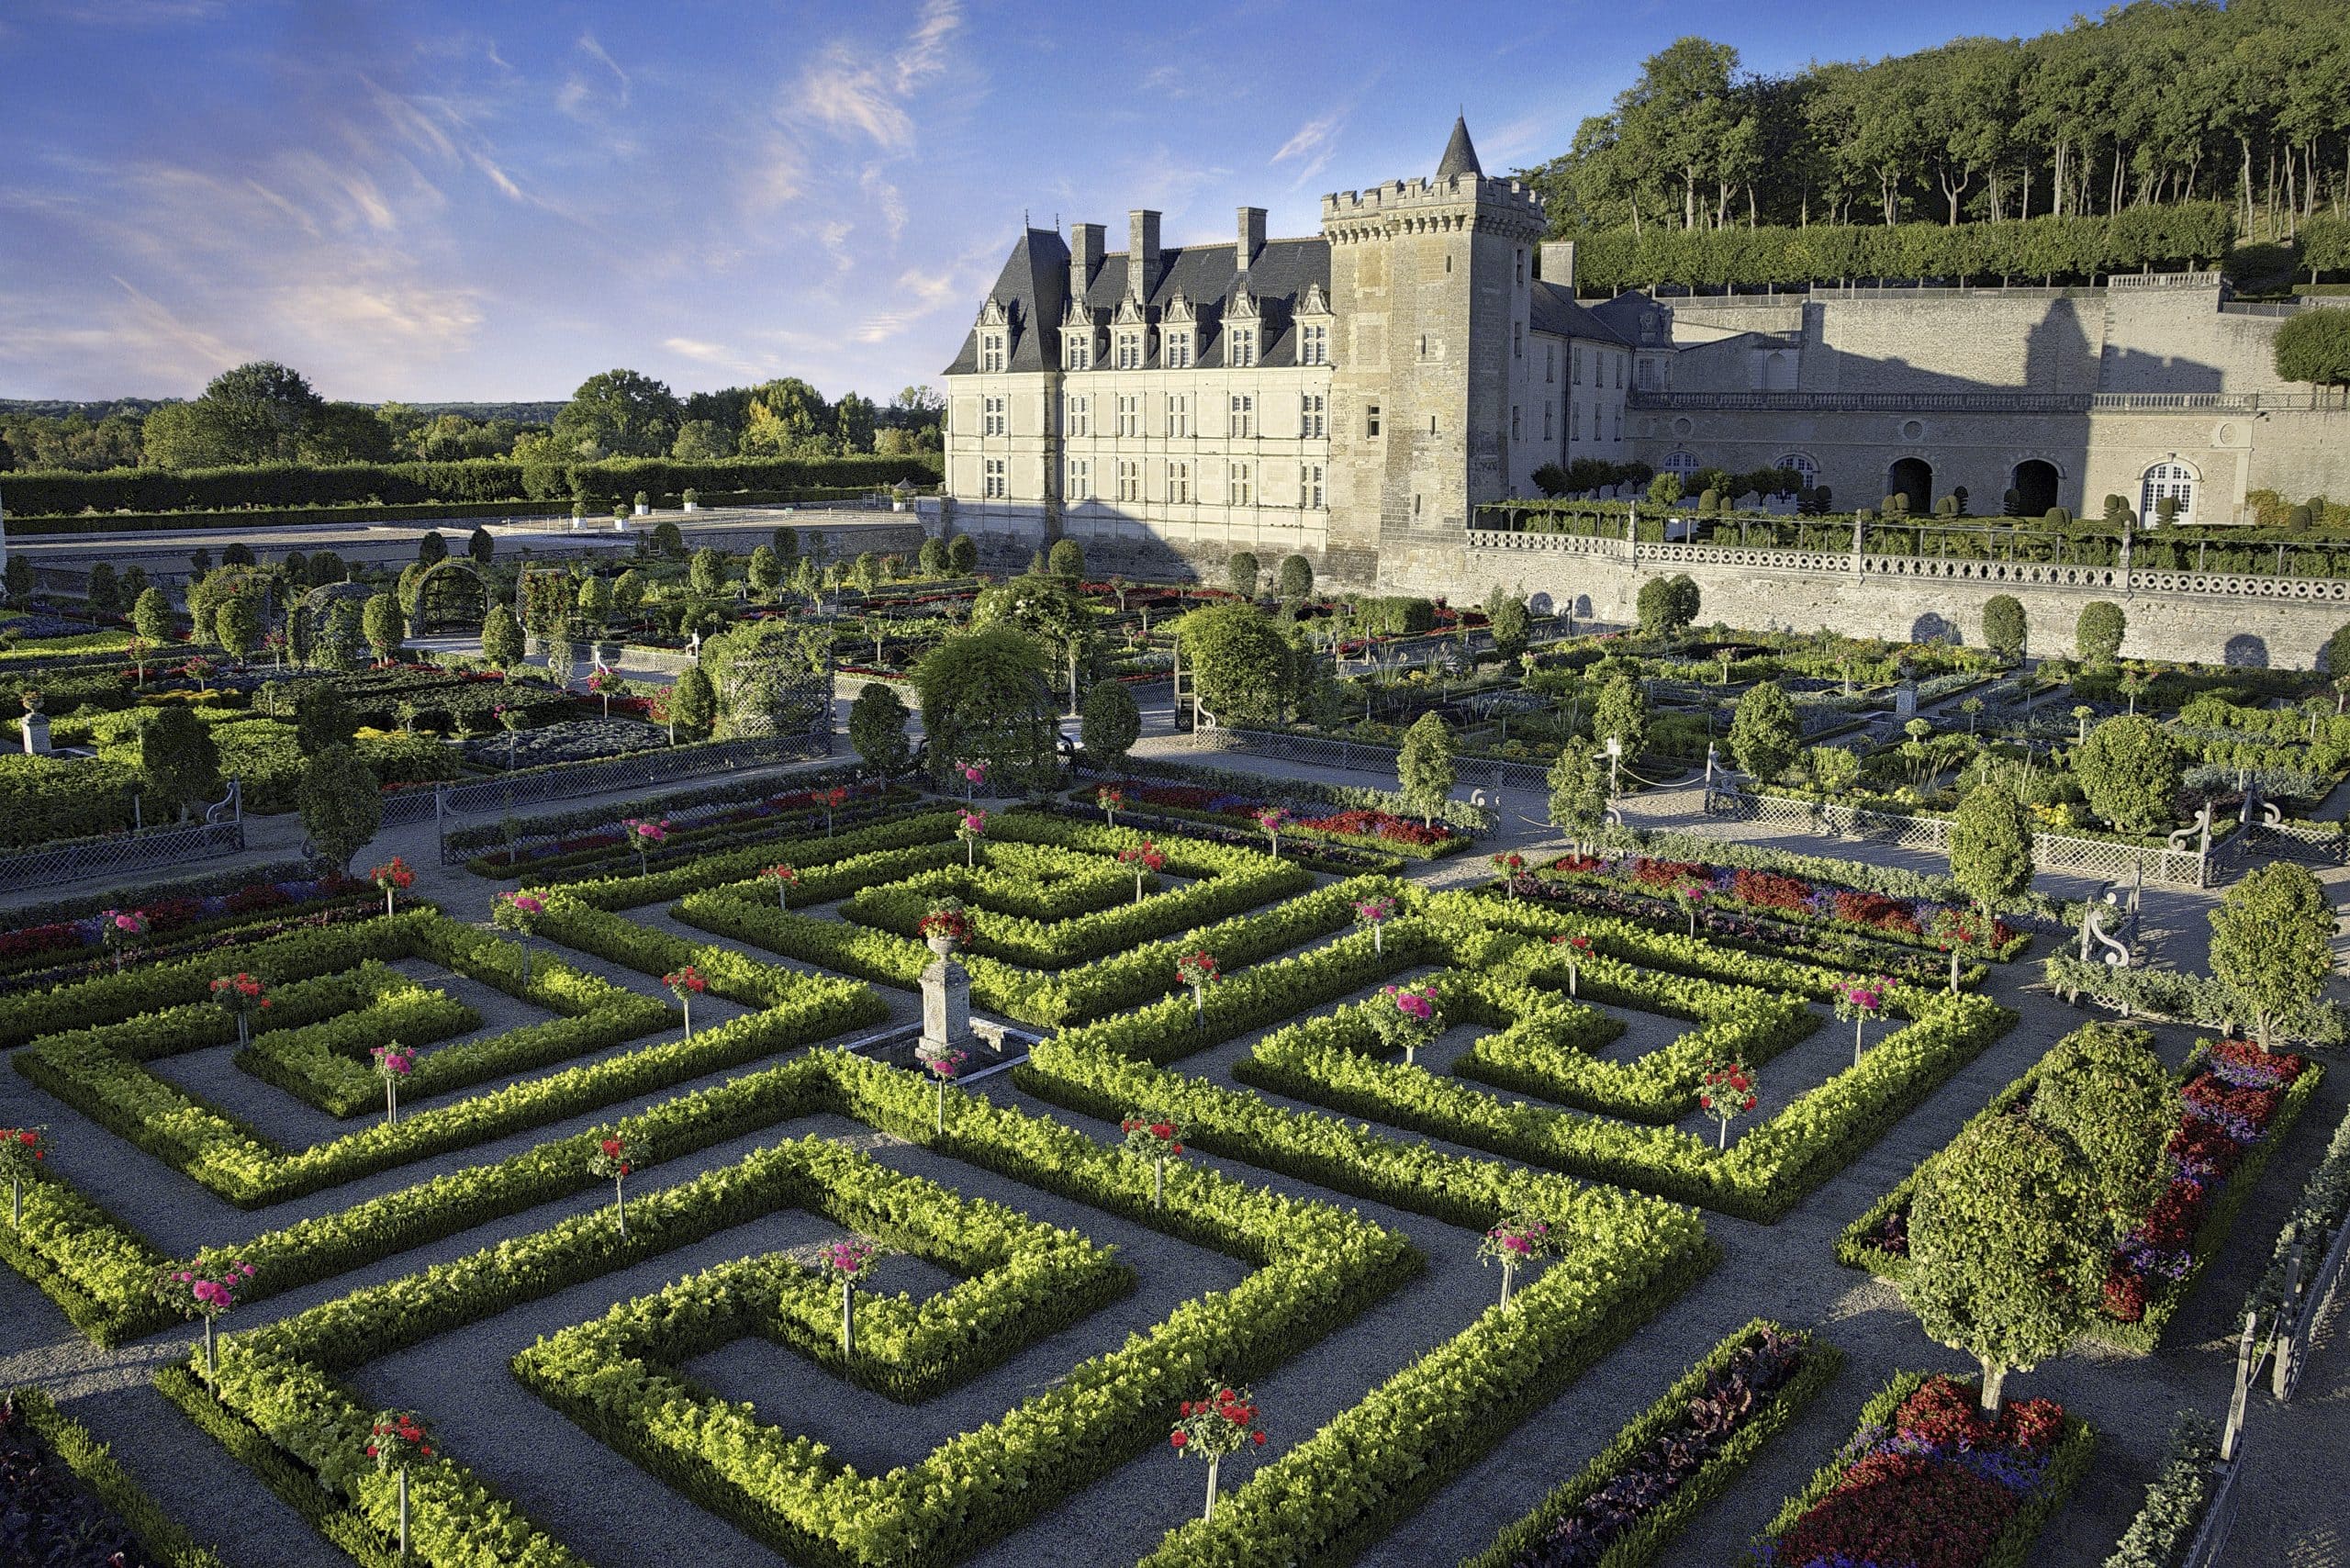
[
  {"x": 946, "y": 1007},
  {"x": 36, "y": 735},
  {"x": 1905, "y": 700}
]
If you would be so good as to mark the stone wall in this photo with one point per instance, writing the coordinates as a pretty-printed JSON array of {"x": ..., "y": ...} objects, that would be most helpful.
[{"x": 2288, "y": 631}]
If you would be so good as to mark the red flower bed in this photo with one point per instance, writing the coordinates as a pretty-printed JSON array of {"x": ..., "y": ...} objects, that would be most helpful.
[
  {"x": 1376, "y": 824},
  {"x": 1768, "y": 889},
  {"x": 1876, "y": 911},
  {"x": 39, "y": 939},
  {"x": 1666, "y": 873},
  {"x": 1935, "y": 1489}
]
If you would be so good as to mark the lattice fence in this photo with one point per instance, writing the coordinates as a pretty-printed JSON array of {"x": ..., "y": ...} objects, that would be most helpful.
[
  {"x": 122, "y": 854},
  {"x": 2095, "y": 858}
]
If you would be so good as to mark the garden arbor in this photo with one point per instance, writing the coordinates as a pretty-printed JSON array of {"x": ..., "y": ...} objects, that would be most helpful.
[{"x": 451, "y": 594}]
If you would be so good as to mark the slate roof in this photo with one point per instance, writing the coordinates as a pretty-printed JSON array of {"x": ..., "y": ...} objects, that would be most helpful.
[
  {"x": 1033, "y": 286},
  {"x": 1555, "y": 311},
  {"x": 1627, "y": 315},
  {"x": 1460, "y": 154}
]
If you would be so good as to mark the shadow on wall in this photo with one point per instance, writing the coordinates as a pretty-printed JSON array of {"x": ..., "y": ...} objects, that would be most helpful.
[
  {"x": 1574, "y": 604},
  {"x": 1932, "y": 627},
  {"x": 2245, "y": 651}
]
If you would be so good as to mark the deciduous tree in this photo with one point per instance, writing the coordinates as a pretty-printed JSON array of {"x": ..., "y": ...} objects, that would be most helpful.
[{"x": 2272, "y": 943}]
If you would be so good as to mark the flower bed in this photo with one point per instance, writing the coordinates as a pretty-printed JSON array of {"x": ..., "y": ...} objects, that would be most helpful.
[
  {"x": 1362, "y": 826},
  {"x": 1803, "y": 900},
  {"x": 2239, "y": 1104},
  {"x": 564, "y": 739},
  {"x": 1926, "y": 1481},
  {"x": 603, "y": 843},
  {"x": 69, "y": 1502},
  {"x": 1623, "y": 1509},
  {"x": 56, "y": 946}
]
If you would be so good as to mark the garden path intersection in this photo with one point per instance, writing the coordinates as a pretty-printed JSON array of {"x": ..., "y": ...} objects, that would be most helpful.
[{"x": 681, "y": 1394}]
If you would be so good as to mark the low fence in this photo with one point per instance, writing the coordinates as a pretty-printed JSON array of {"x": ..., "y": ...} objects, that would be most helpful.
[
  {"x": 2097, "y": 859},
  {"x": 222, "y": 832},
  {"x": 446, "y": 803},
  {"x": 1353, "y": 757}
]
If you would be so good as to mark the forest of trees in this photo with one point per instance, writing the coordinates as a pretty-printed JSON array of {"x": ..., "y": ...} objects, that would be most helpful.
[
  {"x": 264, "y": 412},
  {"x": 2157, "y": 103}
]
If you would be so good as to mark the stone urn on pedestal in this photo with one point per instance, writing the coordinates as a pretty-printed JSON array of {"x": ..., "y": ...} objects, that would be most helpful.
[{"x": 945, "y": 984}]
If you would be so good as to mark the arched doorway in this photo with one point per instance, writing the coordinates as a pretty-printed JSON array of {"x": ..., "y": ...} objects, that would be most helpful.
[
  {"x": 2168, "y": 482},
  {"x": 1912, "y": 478},
  {"x": 2035, "y": 483}
]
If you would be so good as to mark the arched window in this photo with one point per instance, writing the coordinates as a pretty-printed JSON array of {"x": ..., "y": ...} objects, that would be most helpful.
[
  {"x": 1682, "y": 462},
  {"x": 2171, "y": 481},
  {"x": 1804, "y": 468}
]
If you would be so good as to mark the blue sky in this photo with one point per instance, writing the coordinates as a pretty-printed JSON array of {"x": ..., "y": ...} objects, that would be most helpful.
[{"x": 494, "y": 199}]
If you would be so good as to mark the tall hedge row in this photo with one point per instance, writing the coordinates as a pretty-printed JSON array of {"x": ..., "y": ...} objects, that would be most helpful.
[
  {"x": 2189, "y": 235},
  {"x": 474, "y": 481}
]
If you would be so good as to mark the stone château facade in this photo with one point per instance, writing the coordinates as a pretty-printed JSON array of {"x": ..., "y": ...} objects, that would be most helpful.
[{"x": 1357, "y": 396}]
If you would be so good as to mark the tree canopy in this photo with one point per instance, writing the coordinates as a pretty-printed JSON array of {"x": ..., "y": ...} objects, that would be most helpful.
[
  {"x": 1247, "y": 672},
  {"x": 2129, "y": 769},
  {"x": 1990, "y": 849},
  {"x": 618, "y": 413},
  {"x": 2272, "y": 943},
  {"x": 1764, "y": 733},
  {"x": 985, "y": 699}
]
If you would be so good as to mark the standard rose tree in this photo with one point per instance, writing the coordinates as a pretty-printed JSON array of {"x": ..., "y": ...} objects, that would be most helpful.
[
  {"x": 785, "y": 877},
  {"x": 971, "y": 827},
  {"x": 22, "y": 1150},
  {"x": 1405, "y": 1017},
  {"x": 120, "y": 928},
  {"x": 1726, "y": 1092},
  {"x": 392, "y": 877},
  {"x": 1861, "y": 999},
  {"x": 1214, "y": 1428},
  {"x": 1574, "y": 949},
  {"x": 1509, "y": 865},
  {"x": 394, "y": 1064},
  {"x": 614, "y": 1159},
  {"x": 518, "y": 913},
  {"x": 849, "y": 1262},
  {"x": 1514, "y": 1243},
  {"x": 833, "y": 801},
  {"x": 244, "y": 997},
  {"x": 1272, "y": 819},
  {"x": 644, "y": 835},
  {"x": 1962, "y": 934},
  {"x": 206, "y": 1291},
  {"x": 1374, "y": 913},
  {"x": 1158, "y": 1139},
  {"x": 1141, "y": 859},
  {"x": 943, "y": 1068},
  {"x": 974, "y": 775},
  {"x": 1198, "y": 971},
  {"x": 1111, "y": 799},
  {"x": 685, "y": 984},
  {"x": 1692, "y": 897},
  {"x": 395, "y": 1440}
]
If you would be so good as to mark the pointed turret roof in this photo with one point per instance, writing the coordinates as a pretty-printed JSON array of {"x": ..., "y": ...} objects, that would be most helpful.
[{"x": 1460, "y": 155}]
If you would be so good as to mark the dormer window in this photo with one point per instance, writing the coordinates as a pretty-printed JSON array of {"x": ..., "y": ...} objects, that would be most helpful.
[
  {"x": 1130, "y": 351},
  {"x": 991, "y": 351},
  {"x": 1313, "y": 345},
  {"x": 1078, "y": 354},
  {"x": 1240, "y": 344},
  {"x": 1178, "y": 350}
]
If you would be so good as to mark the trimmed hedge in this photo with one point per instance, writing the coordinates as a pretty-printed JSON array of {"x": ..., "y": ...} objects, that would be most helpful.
[
  {"x": 1644, "y": 1543},
  {"x": 2166, "y": 1524},
  {"x": 165, "y": 1542}
]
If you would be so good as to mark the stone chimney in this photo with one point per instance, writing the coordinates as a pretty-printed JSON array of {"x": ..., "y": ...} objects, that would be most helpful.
[
  {"x": 1252, "y": 238},
  {"x": 1084, "y": 258},
  {"x": 1556, "y": 262},
  {"x": 1142, "y": 254}
]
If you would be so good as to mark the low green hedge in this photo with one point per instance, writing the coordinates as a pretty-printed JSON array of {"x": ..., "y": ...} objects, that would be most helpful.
[
  {"x": 1645, "y": 1541},
  {"x": 2176, "y": 1499}
]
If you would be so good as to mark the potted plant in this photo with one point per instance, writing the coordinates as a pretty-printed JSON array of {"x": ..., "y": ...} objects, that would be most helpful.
[
  {"x": 643, "y": 504},
  {"x": 1156, "y": 1139},
  {"x": 614, "y": 1158},
  {"x": 693, "y": 500},
  {"x": 393, "y": 1063},
  {"x": 947, "y": 926},
  {"x": 1216, "y": 1428},
  {"x": 1514, "y": 1244}
]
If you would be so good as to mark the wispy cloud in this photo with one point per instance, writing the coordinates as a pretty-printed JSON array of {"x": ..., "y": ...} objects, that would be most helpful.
[
  {"x": 590, "y": 46},
  {"x": 847, "y": 90},
  {"x": 1312, "y": 147}
]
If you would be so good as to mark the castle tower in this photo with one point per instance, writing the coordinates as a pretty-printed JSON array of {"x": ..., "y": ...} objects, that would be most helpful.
[{"x": 1430, "y": 281}]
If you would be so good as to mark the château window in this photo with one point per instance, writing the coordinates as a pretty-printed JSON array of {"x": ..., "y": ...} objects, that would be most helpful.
[
  {"x": 1078, "y": 416},
  {"x": 1243, "y": 417},
  {"x": 1242, "y": 485},
  {"x": 1619, "y": 373},
  {"x": 1549, "y": 412},
  {"x": 1683, "y": 463},
  {"x": 1130, "y": 481},
  {"x": 991, "y": 485},
  {"x": 1130, "y": 350},
  {"x": 1080, "y": 479},
  {"x": 1519, "y": 267},
  {"x": 1309, "y": 487},
  {"x": 1310, "y": 416},
  {"x": 1240, "y": 346},
  {"x": 991, "y": 351},
  {"x": 1178, "y": 415},
  {"x": 1179, "y": 483},
  {"x": 991, "y": 416},
  {"x": 1371, "y": 419},
  {"x": 1080, "y": 352},
  {"x": 1313, "y": 345},
  {"x": 1514, "y": 431},
  {"x": 1550, "y": 364},
  {"x": 1575, "y": 378},
  {"x": 1645, "y": 376},
  {"x": 1178, "y": 352},
  {"x": 1130, "y": 415},
  {"x": 1518, "y": 339},
  {"x": 1801, "y": 465}
]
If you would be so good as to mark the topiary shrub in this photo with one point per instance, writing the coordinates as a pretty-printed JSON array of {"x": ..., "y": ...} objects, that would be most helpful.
[{"x": 2105, "y": 1091}]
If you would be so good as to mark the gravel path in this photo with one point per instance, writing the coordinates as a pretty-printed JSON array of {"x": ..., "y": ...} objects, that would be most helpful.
[{"x": 613, "y": 1513}]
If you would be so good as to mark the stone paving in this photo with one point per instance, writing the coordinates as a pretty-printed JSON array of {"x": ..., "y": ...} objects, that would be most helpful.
[{"x": 613, "y": 1513}]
